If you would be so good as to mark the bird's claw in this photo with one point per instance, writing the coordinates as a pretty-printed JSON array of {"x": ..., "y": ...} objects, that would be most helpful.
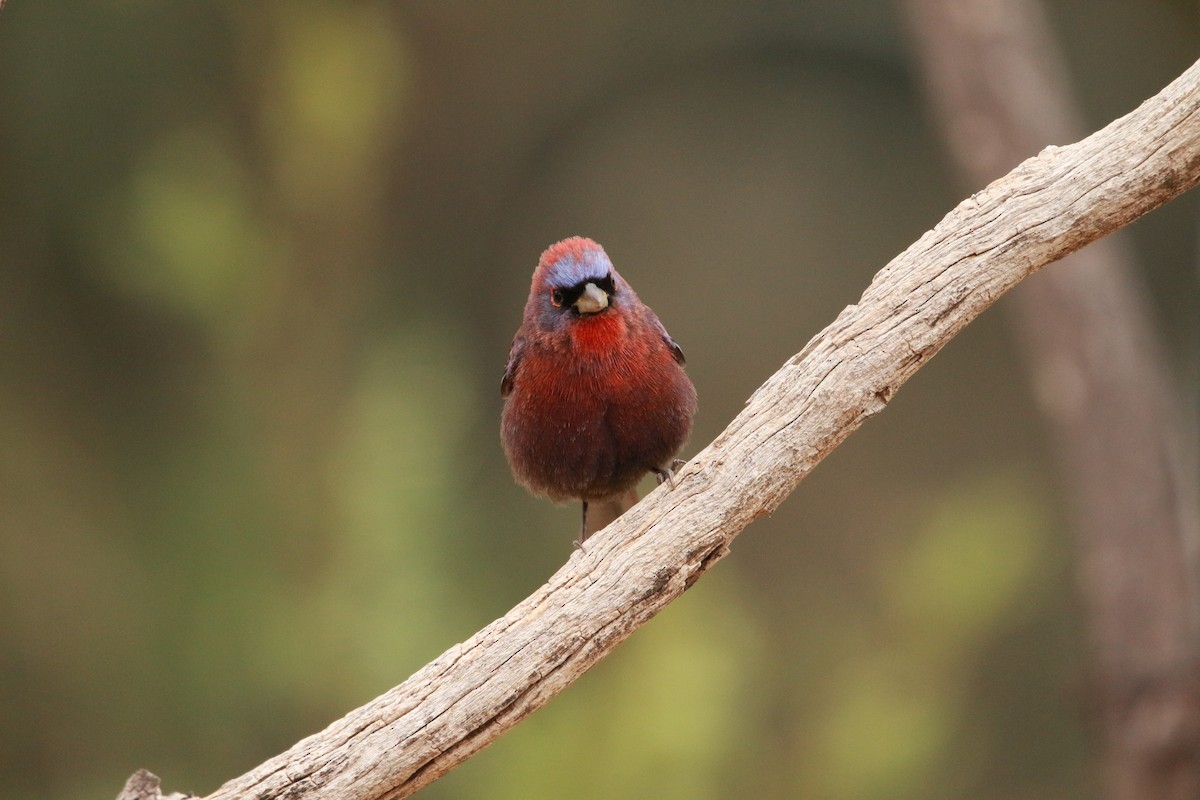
[{"x": 667, "y": 474}]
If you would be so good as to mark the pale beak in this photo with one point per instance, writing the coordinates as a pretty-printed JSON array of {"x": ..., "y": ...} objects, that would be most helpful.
[{"x": 592, "y": 300}]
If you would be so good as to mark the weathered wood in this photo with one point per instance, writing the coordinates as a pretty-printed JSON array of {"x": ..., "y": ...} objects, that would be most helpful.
[{"x": 475, "y": 691}]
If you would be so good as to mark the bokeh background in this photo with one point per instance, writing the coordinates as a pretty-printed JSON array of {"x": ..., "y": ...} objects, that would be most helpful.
[{"x": 260, "y": 265}]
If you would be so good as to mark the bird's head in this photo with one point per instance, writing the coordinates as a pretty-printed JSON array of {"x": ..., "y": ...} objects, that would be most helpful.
[{"x": 574, "y": 280}]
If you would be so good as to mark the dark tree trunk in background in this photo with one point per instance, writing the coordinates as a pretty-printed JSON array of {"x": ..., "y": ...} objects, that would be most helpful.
[{"x": 999, "y": 90}]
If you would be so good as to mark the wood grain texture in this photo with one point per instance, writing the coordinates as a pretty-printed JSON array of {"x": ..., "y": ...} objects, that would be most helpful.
[{"x": 475, "y": 691}]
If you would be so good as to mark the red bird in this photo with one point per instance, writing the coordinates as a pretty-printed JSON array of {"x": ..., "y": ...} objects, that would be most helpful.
[{"x": 595, "y": 391}]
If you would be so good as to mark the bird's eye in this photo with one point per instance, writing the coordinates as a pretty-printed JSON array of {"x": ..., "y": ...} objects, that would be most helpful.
[
  {"x": 556, "y": 298},
  {"x": 606, "y": 283}
]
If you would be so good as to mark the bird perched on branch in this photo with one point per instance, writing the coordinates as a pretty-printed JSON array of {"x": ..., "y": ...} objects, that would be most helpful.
[{"x": 595, "y": 391}]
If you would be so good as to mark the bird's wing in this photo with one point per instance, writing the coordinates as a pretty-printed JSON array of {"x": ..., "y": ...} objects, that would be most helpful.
[
  {"x": 510, "y": 369},
  {"x": 674, "y": 347}
]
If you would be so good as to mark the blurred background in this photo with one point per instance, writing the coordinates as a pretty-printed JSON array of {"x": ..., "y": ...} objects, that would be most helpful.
[{"x": 260, "y": 266}]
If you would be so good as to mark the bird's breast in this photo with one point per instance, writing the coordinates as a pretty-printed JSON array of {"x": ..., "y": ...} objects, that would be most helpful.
[
  {"x": 599, "y": 336},
  {"x": 590, "y": 418}
]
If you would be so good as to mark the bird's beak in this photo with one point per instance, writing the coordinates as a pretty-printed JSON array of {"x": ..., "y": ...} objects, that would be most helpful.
[{"x": 592, "y": 300}]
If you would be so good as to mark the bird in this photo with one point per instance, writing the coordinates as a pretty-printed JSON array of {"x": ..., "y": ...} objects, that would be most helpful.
[{"x": 595, "y": 392}]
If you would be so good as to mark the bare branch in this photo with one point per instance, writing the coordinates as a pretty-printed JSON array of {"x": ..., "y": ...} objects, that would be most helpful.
[{"x": 475, "y": 691}]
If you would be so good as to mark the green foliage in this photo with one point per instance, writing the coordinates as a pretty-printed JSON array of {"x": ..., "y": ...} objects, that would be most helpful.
[
  {"x": 182, "y": 235},
  {"x": 896, "y": 713}
]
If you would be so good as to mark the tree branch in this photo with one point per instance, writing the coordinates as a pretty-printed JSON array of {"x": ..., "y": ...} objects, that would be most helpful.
[{"x": 475, "y": 691}]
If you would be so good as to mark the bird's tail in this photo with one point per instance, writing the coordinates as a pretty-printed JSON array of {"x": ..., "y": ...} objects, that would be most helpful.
[{"x": 602, "y": 512}]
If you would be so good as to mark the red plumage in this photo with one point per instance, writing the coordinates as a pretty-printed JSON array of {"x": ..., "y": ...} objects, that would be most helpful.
[{"x": 595, "y": 391}]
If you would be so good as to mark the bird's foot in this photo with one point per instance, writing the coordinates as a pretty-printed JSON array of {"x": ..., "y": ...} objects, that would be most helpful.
[{"x": 667, "y": 474}]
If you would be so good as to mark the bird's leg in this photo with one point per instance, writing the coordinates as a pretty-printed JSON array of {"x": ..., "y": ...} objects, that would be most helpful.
[
  {"x": 667, "y": 474},
  {"x": 583, "y": 531}
]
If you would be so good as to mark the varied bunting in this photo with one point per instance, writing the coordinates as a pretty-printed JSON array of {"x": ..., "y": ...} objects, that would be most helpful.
[{"x": 595, "y": 391}]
